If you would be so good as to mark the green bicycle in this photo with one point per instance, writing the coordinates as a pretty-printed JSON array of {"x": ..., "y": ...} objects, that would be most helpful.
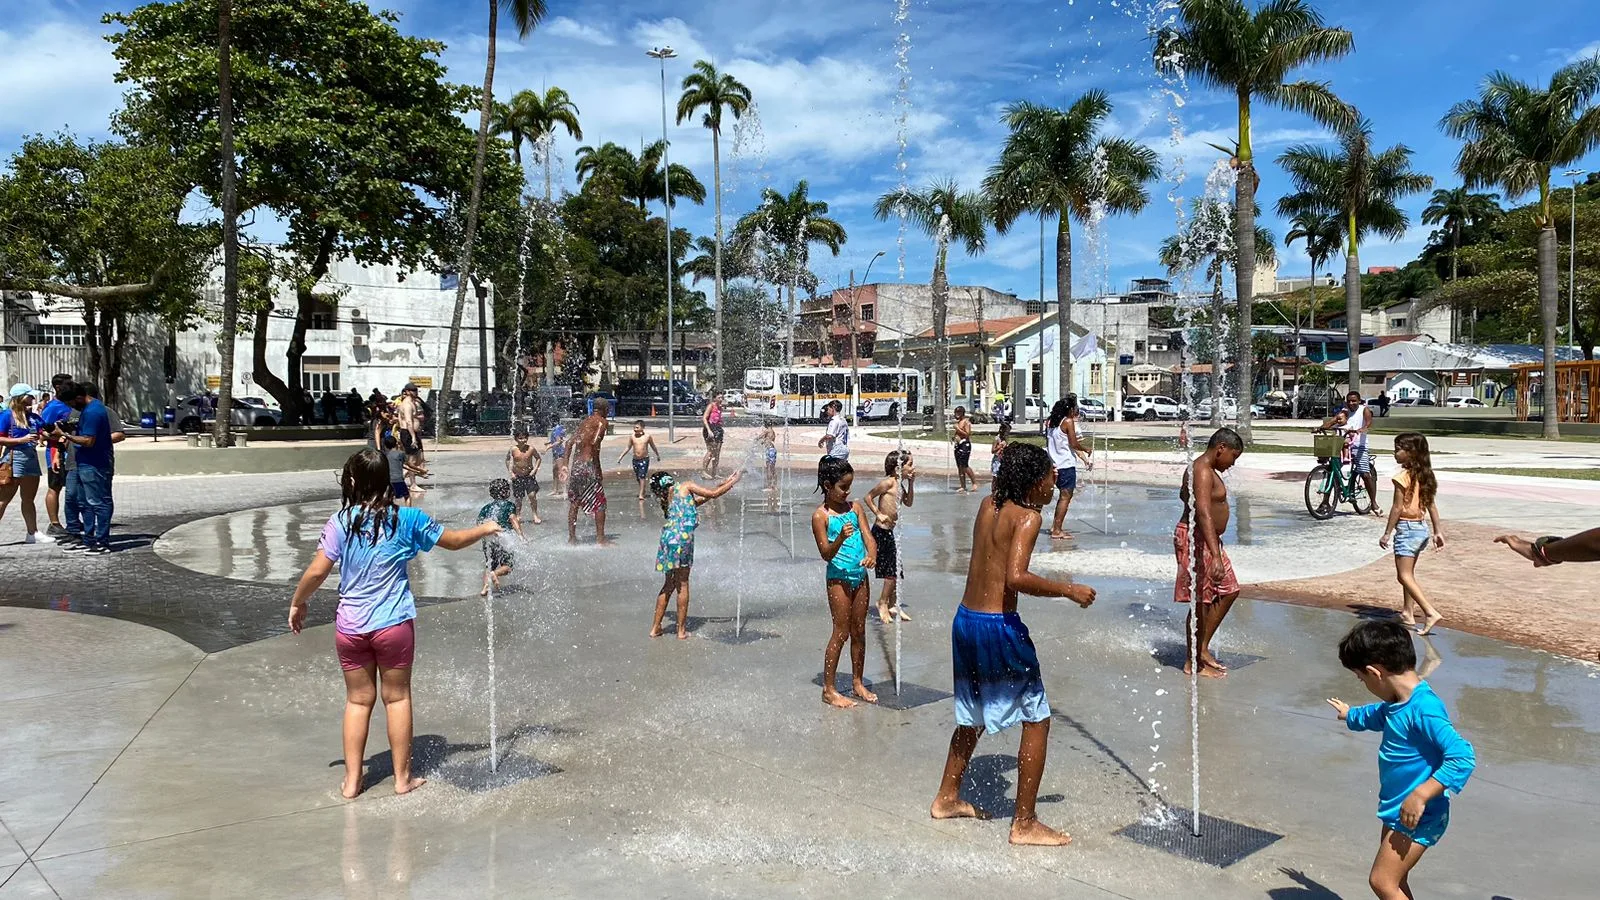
[{"x": 1328, "y": 484}]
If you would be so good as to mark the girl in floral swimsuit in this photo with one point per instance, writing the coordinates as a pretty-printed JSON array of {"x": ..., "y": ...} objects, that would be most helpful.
[{"x": 680, "y": 503}]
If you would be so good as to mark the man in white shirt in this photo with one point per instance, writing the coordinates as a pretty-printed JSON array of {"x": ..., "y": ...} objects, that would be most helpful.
[
  {"x": 1358, "y": 421},
  {"x": 836, "y": 442}
]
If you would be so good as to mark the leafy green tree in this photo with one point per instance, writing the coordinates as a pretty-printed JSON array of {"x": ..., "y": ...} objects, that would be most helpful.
[
  {"x": 783, "y": 228},
  {"x": 1455, "y": 210},
  {"x": 346, "y": 131},
  {"x": 1055, "y": 163},
  {"x": 1515, "y": 134},
  {"x": 714, "y": 91},
  {"x": 944, "y": 212},
  {"x": 754, "y": 321},
  {"x": 534, "y": 118},
  {"x": 639, "y": 178},
  {"x": 1206, "y": 242},
  {"x": 1365, "y": 188},
  {"x": 100, "y": 224},
  {"x": 1224, "y": 45}
]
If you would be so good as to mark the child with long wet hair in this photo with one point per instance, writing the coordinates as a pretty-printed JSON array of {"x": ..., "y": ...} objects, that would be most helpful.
[
  {"x": 371, "y": 539},
  {"x": 680, "y": 503},
  {"x": 843, "y": 533},
  {"x": 1415, "y": 489}
]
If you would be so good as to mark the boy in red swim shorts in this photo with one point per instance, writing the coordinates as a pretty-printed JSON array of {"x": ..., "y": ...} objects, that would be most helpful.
[{"x": 1212, "y": 573}]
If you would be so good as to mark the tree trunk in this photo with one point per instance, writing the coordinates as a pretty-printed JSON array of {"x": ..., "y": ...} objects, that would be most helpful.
[
  {"x": 644, "y": 355},
  {"x": 263, "y": 374},
  {"x": 1218, "y": 351},
  {"x": 1352, "y": 315},
  {"x": 1063, "y": 306},
  {"x": 549, "y": 147},
  {"x": 1455, "y": 262},
  {"x": 1244, "y": 238},
  {"x": 464, "y": 264},
  {"x": 941, "y": 312},
  {"x": 117, "y": 335},
  {"x": 91, "y": 329},
  {"x": 1548, "y": 304},
  {"x": 230, "y": 225},
  {"x": 716, "y": 176}
]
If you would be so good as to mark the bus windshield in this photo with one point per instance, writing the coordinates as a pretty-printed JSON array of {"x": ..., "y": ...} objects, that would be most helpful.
[{"x": 759, "y": 379}]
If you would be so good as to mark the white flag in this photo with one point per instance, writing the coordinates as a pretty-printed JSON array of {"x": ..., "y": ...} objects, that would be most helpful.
[{"x": 1083, "y": 347}]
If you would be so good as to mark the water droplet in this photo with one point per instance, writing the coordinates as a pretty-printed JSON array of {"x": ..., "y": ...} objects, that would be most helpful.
[{"x": 1160, "y": 692}]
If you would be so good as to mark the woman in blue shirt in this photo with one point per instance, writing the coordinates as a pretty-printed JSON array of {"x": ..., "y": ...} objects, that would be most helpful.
[{"x": 19, "y": 439}]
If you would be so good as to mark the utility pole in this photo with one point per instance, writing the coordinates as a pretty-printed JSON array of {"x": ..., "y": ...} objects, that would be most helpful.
[
  {"x": 663, "y": 54},
  {"x": 983, "y": 361}
]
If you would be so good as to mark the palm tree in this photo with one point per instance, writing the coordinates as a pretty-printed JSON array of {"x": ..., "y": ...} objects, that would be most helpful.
[
  {"x": 525, "y": 14},
  {"x": 1364, "y": 188},
  {"x": 1207, "y": 241},
  {"x": 940, "y": 211},
  {"x": 639, "y": 178},
  {"x": 1221, "y": 43},
  {"x": 534, "y": 118},
  {"x": 1055, "y": 163},
  {"x": 1455, "y": 209},
  {"x": 783, "y": 227},
  {"x": 1320, "y": 233},
  {"x": 738, "y": 262},
  {"x": 714, "y": 91}
]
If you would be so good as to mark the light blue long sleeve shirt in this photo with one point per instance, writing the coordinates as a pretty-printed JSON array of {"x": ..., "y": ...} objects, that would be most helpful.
[{"x": 1419, "y": 743}]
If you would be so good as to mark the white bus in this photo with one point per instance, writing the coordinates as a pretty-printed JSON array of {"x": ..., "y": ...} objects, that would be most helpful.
[{"x": 800, "y": 392}]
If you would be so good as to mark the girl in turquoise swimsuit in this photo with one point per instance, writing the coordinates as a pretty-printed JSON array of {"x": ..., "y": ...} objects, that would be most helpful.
[
  {"x": 680, "y": 503},
  {"x": 844, "y": 541}
]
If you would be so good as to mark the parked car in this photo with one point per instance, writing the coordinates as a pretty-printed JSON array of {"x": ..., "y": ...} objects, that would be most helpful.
[
  {"x": 579, "y": 405},
  {"x": 638, "y": 397},
  {"x": 733, "y": 397},
  {"x": 1230, "y": 409},
  {"x": 1149, "y": 407},
  {"x": 1465, "y": 403},
  {"x": 1413, "y": 401},
  {"x": 192, "y": 414},
  {"x": 1093, "y": 410}
]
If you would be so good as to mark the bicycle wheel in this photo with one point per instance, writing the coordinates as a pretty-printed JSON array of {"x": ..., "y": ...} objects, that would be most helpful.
[
  {"x": 1319, "y": 492},
  {"x": 1357, "y": 495}
]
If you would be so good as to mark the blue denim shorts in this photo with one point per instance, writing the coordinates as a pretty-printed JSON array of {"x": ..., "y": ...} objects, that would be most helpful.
[
  {"x": 1067, "y": 479},
  {"x": 25, "y": 463},
  {"x": 1410, "y": 537}
]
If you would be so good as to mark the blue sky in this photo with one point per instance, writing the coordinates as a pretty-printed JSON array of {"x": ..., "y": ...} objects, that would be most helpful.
[{"x": 824, "y": 79}]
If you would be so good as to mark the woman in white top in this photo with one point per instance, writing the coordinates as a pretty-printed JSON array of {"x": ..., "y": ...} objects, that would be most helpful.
[{"x": 1061, "y": 440}]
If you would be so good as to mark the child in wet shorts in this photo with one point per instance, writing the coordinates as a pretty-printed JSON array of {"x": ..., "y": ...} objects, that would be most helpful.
[{"x": 501, "y": 509}]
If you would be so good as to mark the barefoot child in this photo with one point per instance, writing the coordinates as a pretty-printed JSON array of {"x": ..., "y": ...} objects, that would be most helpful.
[
  {"x": 640, "y": 445},
  {"x": 769, "y": 441},
  {"x": 399, "y": 467},
  {"x": 1421, "y": 758},
  {"x": 371, "y": 540},
  {"x": 1212, "y": 576},
  {"x": 962, "y": 436},
  {"x": 898, "y": 485},
  {"x": 556, "y": 446},
  {"x": 998, "y": 448},
  {"x": 503, "y": 511},
  {"x": 522, "y": 464},
  {"x": 1061, "y": 440},
  {"x": 997, "y": 677},
  {"x": 1414, "y": 490},
  {"x": 680, "y": 503},
  {"x": 840, "y": 527}
]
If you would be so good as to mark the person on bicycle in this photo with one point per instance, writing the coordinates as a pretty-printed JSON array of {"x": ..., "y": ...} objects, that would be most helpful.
[{"x": 1358, "y": 421}]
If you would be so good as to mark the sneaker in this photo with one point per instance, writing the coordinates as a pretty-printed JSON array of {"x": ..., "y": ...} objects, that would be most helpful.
[
  {"x": 56, "y": 531},
  {"x": 73, "y": 546},
  {"x": 35, "y": 537},
  {"x": 99, "y": 550}
]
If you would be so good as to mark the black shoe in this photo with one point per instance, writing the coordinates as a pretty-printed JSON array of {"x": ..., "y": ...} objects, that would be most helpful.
[{"x": 99, "y": 550}]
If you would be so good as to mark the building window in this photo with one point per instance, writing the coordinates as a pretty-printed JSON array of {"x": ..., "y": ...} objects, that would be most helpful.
[
  {"x": 1397, "y": 323},
  {"x": 1036, "y": 380},
  {"x": 320, "y": 373},
  {"x": 1138, "y": 346},
  {"x": 867, "y": 312},
  {"x": 324, "y": 316},
  {"x": 1096, "y": 385},
  {"x": 58, "y": 335}
]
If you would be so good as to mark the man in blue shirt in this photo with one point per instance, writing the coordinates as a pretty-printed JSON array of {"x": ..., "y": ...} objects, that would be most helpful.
[
  {"x": 94, "y": 466},
  {"x": 55, "y": 471}
]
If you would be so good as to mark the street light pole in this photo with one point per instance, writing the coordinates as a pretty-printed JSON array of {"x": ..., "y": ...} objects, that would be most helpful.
[
  {"x": 1572, "y": 259},
  {"x": 855, "y": 364},
  {"x": 663, "y": 54}
]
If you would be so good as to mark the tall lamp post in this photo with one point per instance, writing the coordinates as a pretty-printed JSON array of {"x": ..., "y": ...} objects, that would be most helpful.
[
  {"x": 662, "y": 54},
  {"x": 1572, "y": 258},
  {"x": 855, "y": 365}
]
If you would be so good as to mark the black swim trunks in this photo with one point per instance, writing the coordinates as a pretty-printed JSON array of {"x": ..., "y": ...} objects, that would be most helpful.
[
  {"x": 888, "y": 565},
  {"x": 410, "y": 442},
  {"x": 523, "y": 485},
  {"x": 713, "y": 435},
  {"x": 963, "y": 453},
  {"x": 495, "y": 554}
]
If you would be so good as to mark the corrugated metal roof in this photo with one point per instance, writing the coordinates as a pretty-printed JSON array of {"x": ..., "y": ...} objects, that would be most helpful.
[{"x": 1409, "y": 356}]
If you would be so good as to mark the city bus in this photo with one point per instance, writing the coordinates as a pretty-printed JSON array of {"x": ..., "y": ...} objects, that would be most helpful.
[{"x": 800, "y": 392}]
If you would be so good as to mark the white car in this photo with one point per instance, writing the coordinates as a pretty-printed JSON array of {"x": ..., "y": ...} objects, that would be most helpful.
[
  {"x": 1465, "y": 403},
  {"x": 1230, "y": 409},
  {"x": 1149, "y": 407},
  {"x": 733, "y": 397},
  {"x": 1093, "y": 410}
]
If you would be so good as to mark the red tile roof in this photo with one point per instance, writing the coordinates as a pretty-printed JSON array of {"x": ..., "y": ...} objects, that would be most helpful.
[{"x": 991, "y": 327}]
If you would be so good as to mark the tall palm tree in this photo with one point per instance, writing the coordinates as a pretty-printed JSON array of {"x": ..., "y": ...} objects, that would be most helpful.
[
  {"x": 639, "y": 178},
  {"x": 1055, "y": 163},
  {"x": 1365, "y": 189},
  {"x": 739, "y": 261},
  {"x": 783, "y": 227},
  {"x": 1455, "y": 209},
  {"x": 943, "y": 212},
  {"x": 1206, "y": 241},
  {"x": 525, "y": 14},
  {"x": 714, "y": 91},
  {"x": 1320, "y": 232},
  {"x": 1223, "y": 44},
  {"x": 534, "y": 118}
]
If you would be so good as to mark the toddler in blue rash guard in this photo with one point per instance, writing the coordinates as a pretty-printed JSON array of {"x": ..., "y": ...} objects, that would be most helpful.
[{"x": 1421, "y": 759}]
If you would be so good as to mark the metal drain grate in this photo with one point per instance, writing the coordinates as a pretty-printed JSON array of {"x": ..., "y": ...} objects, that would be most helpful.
[
  {"x": 1221, "y": 843},
  {"x": 472, "y": 774},
  {"x": 911, "y": 695}
]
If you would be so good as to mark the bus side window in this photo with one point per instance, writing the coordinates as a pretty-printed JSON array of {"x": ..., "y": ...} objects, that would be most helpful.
[{"x": 789, "y": 386}]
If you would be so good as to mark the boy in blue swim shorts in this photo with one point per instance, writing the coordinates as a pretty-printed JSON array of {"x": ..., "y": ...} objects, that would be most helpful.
[
  {"x": 998, "y": 682},
  {"x": 1421, "y": 760}
]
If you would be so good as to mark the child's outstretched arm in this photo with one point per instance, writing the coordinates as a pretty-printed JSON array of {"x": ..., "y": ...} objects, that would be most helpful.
[
  {"x": 461, "y": 538},
  {"x": 1581, "y": 547},
  {"x": 1022, "y": 581},
  {"x": 314, "y": 576},
  {"x": 1363, "y": 718},
  {"x": 701, "y": 494}
]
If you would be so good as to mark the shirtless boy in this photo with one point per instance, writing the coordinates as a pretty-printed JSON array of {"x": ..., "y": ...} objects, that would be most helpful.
[
  {"x": 522, "y": 464},
  {"x": 586, "y": 491},
  {"x": 408, "y": 415},
  {"x": 640, "y": 444},
  {"x": 1213, "y": 575},
  {"x": 898, "y": 485},
  {"x": 997, "y": 677}
]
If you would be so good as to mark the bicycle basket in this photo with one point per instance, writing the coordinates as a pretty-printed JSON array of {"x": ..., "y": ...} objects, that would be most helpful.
[{"x": 1324, "y": 446}]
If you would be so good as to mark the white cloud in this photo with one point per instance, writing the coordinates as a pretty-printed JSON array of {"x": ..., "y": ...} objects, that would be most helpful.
[
  {"x": 55, "y": 75},
  {"x": 1585, "y": 52},
  {"x": 672, "y": 32},
  {"x": 563, "y": 27}
]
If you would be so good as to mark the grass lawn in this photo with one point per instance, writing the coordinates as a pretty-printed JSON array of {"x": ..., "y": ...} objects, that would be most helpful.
[{"x": 1578, "y": 474}]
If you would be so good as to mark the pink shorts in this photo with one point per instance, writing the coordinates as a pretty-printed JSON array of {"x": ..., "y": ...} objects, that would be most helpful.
[{"x": 387, "y": 648}]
